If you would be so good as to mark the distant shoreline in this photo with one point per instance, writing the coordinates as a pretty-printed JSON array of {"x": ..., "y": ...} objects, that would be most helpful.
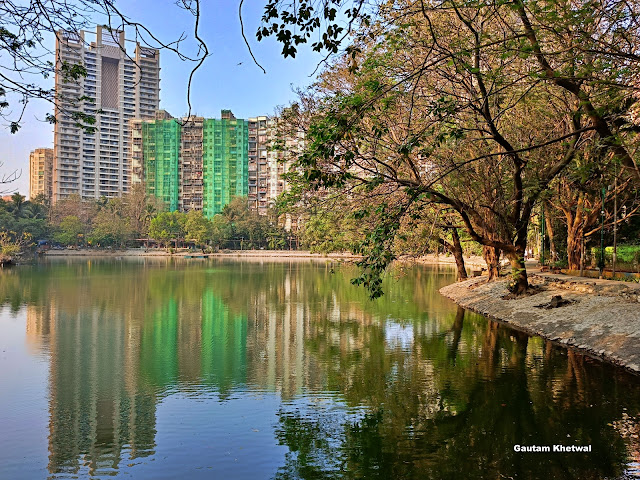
[
  {"x": 156, "y": 252},
  {"x": 472, "y": 262}
]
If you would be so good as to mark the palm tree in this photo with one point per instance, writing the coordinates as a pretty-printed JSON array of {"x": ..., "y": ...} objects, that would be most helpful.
[{"x": 17, "y": 204}]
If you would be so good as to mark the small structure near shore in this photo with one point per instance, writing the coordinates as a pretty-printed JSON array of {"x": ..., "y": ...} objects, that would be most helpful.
[{"x": 556, "y": 301}]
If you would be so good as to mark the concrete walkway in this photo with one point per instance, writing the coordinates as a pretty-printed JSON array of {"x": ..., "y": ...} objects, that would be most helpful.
[{"x": 603, "y": 318}]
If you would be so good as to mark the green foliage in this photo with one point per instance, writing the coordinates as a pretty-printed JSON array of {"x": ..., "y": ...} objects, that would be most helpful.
[
  {"x": 220, "y": 231},
  {"x": 237, "y": 227},
  {"x": 111, "y": 226},
  {"x": 197, "y": 228},
  {"x": 329, "y": 230},
  {"x": 23, "y": 217},
  {"x": 167, "y": 226},
  {"x": 12, "y": 243},
  {"x": 70, "y": 230},
  {"x": 376, "y": 247},
  {"x": 117, "y": 221},
  {"x": 626, "y": 255},
  {"x": 476, "y": 107},
  {"x": 245, "y": 228}
]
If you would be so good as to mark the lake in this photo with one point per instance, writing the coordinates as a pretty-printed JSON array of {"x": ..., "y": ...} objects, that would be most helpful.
[{"x": 163, "y": 369}]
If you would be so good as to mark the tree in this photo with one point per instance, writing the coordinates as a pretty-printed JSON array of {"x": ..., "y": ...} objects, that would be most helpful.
[
  {"x": 23, "y": 218},
  {"x": 586, "y": 49},
  {"x": 17, "y": 203},
  {"x": 330, "y": 226},
  {"x": 455, "y": 247},
  {"x": 477, "y": 107},
  {"x": 220, "y": 230},
  {"x": 197, "y": 228},
  {"x": 577, "y": 196},
  {"x": 112, "y": 225},
  {"x": 140, "y": 208},
  {"x": 11, "y": 244},
  {"x": 69, "y": 231},
  {"x": 167, "y": 226},
  {"x": 73, "y": 205}
]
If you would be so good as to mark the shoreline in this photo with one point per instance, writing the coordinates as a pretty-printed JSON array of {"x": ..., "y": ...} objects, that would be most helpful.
[
  {"x": 471, "y": 262},
  {"x": 191, "y": 254},
  {"x": 602, "y": 320}
]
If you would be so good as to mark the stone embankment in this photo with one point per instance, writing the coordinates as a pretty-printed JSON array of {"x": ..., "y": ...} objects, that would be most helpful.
[{"x": 601, "y": 317}]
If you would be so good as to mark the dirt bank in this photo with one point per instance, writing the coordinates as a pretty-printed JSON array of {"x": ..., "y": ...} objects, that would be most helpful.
[{"x": 602, "y": 318}]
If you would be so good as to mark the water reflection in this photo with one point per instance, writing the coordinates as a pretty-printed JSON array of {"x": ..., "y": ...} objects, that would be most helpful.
[{"x": 408, "y": 386}]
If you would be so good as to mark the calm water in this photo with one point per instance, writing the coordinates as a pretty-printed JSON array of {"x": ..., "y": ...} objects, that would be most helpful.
[{"x": 238, "y": 370}]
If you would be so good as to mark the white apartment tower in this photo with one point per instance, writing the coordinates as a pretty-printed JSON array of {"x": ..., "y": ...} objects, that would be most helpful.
[
  {"x": 121, "y": 86},
  {"x": 40, "y": 173},
  {"x": 267, "y": 163}
]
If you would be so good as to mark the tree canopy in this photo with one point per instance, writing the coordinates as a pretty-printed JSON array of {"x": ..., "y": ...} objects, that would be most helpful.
[{"x": 473, "y": 106}]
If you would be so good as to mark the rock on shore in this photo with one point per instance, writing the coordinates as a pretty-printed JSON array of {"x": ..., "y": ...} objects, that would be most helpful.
[{"x": 600, "y": 317}]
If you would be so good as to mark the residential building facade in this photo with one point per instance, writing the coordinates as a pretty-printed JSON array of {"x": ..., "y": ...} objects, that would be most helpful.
[
  {"x": 118, "y": 86},
  {"x": 41, "y": 173},
  {"x": 225, "y": 161},
  {"x": 191, "y": 163},
  {"x": 271, "y": 153},
  {"x": 258, "y": 151}
]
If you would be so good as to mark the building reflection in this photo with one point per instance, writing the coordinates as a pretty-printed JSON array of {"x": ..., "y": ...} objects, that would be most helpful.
[
  {"x": 98, "y": 404},
  {"x": 118, "y": 348},
  {"x": 39, "y": 327}
]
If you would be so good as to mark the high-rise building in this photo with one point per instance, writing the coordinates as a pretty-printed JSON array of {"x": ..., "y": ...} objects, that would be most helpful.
[
  {"x": 190, "y": 169},
  {"x": 41, "y": 172},
  {"x": 271, "y": 153},
  {"x": 155, "y": 156},
  {"x": 193, "y": 163},
  {"x": 119, "y": 85},
  {"x": 258, "y": 149},
  {"x": 225, "y": 161}
]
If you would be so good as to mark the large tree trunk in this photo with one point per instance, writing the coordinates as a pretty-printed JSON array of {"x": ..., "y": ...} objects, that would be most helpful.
[
  {"x": 574, "y": 247},
  {"x": 491, "y": 257},
  {"x": 456, "y": 250},
  {"x": 519, "y": 281},
  {"x": 577, "y": 220},
  {"x": 548, "y": 220},
  {"x": 457, "y": 254}
]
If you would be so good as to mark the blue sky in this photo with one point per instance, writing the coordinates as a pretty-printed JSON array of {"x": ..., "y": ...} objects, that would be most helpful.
[{"x": 219, "y": 84}]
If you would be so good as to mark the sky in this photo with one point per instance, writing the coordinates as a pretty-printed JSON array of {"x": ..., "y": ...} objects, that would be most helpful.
[{"x": 227, "y": 80}]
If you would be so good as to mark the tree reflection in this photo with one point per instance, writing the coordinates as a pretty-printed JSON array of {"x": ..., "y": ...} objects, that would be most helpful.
[{"x": 407, "y": 386}]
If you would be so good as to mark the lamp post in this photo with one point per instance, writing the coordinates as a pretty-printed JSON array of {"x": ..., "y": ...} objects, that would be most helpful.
[
  {"x": 615, "y": 222},
  {"x": 542, "y": 236},
  {"x": 601, "y": 261}
]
